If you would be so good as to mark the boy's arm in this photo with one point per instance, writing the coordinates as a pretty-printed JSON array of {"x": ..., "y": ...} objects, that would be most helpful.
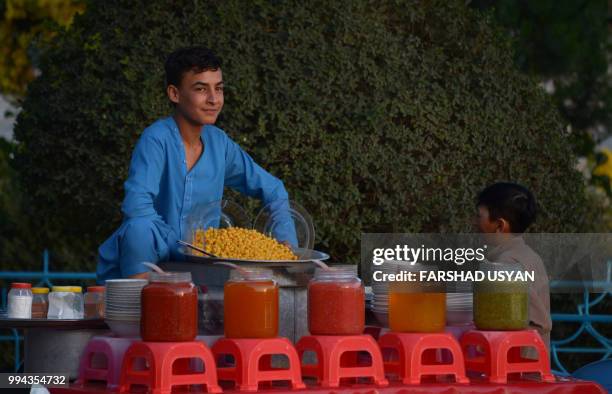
[
  {"x": 246, "y": 176},
  {"x": 141, "y": 189},
  {"x": 142, "y": 185}
]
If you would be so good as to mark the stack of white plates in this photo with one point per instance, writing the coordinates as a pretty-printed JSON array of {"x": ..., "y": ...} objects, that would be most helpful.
[
  {"x": 122, "y": 306},
  {"x": 380, "y": 300},
  {"x": 459, "y": 309}
]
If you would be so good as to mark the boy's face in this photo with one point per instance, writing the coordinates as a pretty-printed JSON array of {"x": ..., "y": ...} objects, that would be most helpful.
[
  {"x": 199, "y": 98},
  {"x": 485, "y": 224}
]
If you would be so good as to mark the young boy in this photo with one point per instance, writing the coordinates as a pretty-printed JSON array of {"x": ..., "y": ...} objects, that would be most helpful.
[
  {"x": 506, "y": 210},
  {"x": 179, "y": 163}
]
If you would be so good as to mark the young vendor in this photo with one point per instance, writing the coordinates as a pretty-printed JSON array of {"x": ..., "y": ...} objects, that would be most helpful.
[
  {"x": 507, "y": 210},
  {"x": 179, "y": 163}
]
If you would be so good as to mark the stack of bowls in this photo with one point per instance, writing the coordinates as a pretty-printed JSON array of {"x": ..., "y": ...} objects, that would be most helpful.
[
  {"x": 122, "y": 306},
  {"x": 380, "y": 300}
]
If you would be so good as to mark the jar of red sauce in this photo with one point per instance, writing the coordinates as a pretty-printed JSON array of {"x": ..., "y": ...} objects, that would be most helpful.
[
  {"x": 169, "y": 308},
  {"x": 250, "y": 305},
  {"x": 336, "y": 302}
]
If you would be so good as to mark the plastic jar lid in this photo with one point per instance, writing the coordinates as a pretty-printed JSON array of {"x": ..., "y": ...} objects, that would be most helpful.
[
  {"x": 40, "y": 290},
  {"x": 63, "y": 289},
  {"x": 76, "y": 289},
  {"x": 337, "y": 273},
  {"x": 252, "y": 274},
  {"x": 19, "y": 285},
  {"x": 95, "y": 289},
  {"x": 170, "y": 277}
]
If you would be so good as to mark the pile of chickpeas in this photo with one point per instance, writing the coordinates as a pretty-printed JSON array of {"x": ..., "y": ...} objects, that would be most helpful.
[{"x": 241, "y": 243}]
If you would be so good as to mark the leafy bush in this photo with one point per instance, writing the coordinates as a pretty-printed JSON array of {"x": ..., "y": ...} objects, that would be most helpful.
[
  {"x": 379, "y": 116},
  {"x": 22, "y": 22}
]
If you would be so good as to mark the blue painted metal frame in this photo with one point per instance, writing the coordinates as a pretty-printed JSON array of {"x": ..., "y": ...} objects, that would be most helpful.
[
  {"x": 582, "y": 316},
  {"x": 586, "y": 320},
  {"x": 45, "y": 277}
]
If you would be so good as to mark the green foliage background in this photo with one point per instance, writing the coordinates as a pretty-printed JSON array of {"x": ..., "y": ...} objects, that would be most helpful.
[
  {"x": 567, "y": 43},
  {"x": 379, "y": 116}
]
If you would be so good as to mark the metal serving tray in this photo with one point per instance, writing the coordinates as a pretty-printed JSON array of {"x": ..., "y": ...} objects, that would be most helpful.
[{"x": 305, "y": 256}]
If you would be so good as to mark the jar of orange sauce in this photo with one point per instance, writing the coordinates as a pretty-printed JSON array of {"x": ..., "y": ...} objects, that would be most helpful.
[
  {"x": 418, "y": 306},
  {"x": 169, "y": 308},
  {"x": 250, "y": 305},
  {"x": 336, "y": 302}
]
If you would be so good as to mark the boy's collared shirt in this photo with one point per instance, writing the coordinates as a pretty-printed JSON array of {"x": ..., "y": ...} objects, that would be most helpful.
[{"x": 515, "y": 250}]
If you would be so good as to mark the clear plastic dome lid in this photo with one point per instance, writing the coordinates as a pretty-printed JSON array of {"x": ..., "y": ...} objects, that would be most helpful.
[
  {"x": 216, "y": 214},
  {"x": 286, "y": 221}
]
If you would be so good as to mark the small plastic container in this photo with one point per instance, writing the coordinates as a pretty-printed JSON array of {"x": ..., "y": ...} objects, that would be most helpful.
[
  {"x": 66, "y": 302},
  {"x": 250, "y": 305},
  {"x": 336, "y": 302},
  {"x": 169, "y": 307},
  {"x": 19, "y": 301},
  {"x": 417, "y": 306},
  {"x": 501, "y": 305},
  {"x": 40, "y": 302},
  {"x": 94, "y": 302}
]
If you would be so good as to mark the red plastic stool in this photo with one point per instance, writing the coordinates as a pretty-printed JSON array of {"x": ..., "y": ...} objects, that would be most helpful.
[
  {"x": 112, "y": 350},
  {"x": 329, "y": 349},
  {"x": 501, "y": 354},
  {"x": 160, "y": 357},
  {"x": 417, "y": 356},
  {"x": 246, "y": 373}
]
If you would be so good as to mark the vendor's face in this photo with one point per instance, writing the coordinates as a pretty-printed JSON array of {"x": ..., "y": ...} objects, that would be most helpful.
[
  {"x": 484, "y": 223},
  {"x": 199, "y": 98}
]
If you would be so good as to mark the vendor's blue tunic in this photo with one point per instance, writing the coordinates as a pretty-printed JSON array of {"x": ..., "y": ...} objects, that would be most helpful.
[{"x": 160, "y": 193}]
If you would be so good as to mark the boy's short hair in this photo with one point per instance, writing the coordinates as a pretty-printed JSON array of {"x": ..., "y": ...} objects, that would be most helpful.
[
  {"x": 510, "y": 201},
  {"x": 182, "y": 60}
]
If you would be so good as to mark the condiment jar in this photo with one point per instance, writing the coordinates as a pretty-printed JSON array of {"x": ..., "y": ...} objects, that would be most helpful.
[
  {"x": 40, "y": 302},
  {"x": 250, "y": 306},
  {"x": 501, "y": 303},
  {"x": 94, "y": 302},
  {"x": 417, "y": 306},
  {"x": 65, "y": 302},
  {"x": 169, "y": 308},
  {"x": 336, "y": 302},
  {"x": 19, "y": 302}
]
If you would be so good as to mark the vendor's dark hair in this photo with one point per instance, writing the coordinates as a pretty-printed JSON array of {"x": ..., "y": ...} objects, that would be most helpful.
[
  {"x": 510, "y": 201},
  {"x": 182, "y": 60}
]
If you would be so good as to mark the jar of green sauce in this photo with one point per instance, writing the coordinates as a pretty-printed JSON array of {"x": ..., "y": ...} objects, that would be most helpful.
[{"x": 501, "y": 300}]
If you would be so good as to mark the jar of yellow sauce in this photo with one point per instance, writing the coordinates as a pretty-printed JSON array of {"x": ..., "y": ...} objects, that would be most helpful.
[{"x": 418, "y": 306}]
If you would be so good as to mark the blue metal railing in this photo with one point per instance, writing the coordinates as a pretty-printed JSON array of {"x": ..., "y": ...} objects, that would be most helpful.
[
  {"x": 586, "y": 320},
  {"x": 44, "y": 277},
  {"x": 583, "y": 315}
]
